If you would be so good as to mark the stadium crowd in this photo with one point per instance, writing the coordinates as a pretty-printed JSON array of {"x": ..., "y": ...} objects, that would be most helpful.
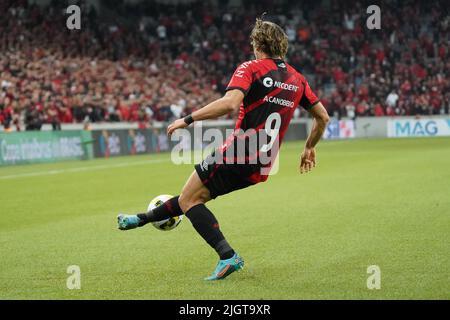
[{"x": 153, "y": 62}]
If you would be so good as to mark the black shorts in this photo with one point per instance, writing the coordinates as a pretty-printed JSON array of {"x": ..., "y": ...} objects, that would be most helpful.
[{"x": 221, "y": 179}]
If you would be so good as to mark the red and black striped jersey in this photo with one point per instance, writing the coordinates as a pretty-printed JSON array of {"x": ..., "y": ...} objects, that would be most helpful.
[
  {"x": 269, "y": 86},
  {"x": 273, "y": 90}
]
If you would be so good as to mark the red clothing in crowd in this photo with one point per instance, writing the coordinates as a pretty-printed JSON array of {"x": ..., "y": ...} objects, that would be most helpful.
[{"x": 378, "y": 110}]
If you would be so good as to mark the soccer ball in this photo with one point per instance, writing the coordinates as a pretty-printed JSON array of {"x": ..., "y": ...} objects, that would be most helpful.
[{"x": 168, "y": 224}]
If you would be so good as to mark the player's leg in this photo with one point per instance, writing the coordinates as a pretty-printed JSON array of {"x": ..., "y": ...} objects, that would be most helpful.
[
  {"x": 192, "y": 201},
  {"x": 192, "y": 191},
  {"x": 169, "y": 209}
]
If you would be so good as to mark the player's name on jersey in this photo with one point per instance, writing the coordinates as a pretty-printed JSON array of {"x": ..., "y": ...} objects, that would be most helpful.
[{"x": 279, "y": 101}]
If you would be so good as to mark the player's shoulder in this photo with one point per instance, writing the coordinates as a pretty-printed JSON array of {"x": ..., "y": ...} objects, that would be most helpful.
[
  {"x": 258, "y": 63},
  {"x": 249, "y": 64},
  {"x": 293, "y": 70},
  {"x": 261, "y": 66}
]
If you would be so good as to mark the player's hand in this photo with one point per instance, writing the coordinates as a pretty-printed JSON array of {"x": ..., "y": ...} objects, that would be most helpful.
[
  {"x": 307, "y": 160},
  {"x": 178, "y": 124}
]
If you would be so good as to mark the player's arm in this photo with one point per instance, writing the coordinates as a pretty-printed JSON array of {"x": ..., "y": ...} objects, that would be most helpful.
[
  {"x": 320, "y": 121},
  {"x": 229, "y": 103}
]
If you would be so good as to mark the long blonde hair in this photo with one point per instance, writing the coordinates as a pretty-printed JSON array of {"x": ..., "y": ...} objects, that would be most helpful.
[{"x": 270, "y": 38}]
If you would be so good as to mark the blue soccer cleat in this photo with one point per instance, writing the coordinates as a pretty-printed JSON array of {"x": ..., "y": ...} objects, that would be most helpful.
[
  {"x": 128, "y": 222},
  {"x": 226, "y": 267}
]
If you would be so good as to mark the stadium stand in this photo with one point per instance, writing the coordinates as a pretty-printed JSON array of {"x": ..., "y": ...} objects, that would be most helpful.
[{"x": 129, "y": 64}]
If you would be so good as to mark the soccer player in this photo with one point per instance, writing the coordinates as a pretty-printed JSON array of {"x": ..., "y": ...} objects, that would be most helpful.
[{"x": 266, "y": 92}]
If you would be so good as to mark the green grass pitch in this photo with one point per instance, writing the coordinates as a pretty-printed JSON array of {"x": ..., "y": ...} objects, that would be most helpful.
[{"x": 369, "y": 202}]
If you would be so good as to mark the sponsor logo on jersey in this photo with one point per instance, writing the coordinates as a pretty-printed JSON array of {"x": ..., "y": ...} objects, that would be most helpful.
[
  {"x": 285, "y": 86},
  {"x": 269, "y": 83}
]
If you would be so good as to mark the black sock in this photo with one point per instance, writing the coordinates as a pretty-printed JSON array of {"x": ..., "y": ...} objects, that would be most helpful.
[
  {"x": 169, "y": 209},
  {"x": 207, "y": 226}
]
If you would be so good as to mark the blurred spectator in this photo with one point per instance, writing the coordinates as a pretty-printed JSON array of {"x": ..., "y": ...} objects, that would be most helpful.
[{"x": 155, "y": 62}]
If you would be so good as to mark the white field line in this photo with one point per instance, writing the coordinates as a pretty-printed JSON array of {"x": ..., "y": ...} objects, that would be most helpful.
[{"x": 80, "y": 169}]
